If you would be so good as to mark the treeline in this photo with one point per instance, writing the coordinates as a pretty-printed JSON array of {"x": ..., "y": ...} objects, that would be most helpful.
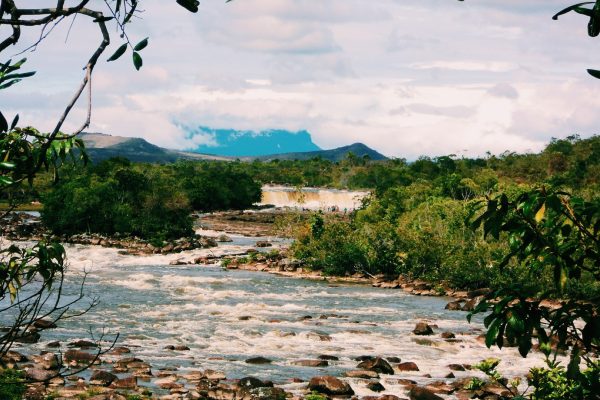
[
  {"x": 144, "y": 200},
  {"x": 418, "y": 225},
  {"x": 572, "y": 161}
]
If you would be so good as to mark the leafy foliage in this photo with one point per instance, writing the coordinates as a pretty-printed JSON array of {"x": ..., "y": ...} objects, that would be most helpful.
[{"x": 11, "y": 384}]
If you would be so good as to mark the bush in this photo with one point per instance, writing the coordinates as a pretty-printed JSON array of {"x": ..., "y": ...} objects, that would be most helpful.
[{"x": 11, "y": 385}]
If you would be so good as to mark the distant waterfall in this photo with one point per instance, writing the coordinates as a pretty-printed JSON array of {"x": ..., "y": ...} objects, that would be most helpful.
[{"x": 312, "y": 198}]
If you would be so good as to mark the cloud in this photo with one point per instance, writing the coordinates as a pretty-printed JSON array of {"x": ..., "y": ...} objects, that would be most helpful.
[{"x": 407, "y": 77}]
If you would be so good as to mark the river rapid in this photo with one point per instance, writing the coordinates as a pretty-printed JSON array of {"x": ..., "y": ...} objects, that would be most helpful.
[{"x": 228, "y": 316}]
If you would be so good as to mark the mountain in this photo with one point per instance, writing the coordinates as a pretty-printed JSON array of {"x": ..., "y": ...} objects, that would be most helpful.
[
  {"x": 234, "y": 143},
  {"x": 101, "y": 146},
  {"x": 358, "y": 149}
]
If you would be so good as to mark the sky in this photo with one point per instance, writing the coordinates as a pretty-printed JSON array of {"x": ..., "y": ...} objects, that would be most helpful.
[{"x": 406, "y": 77}]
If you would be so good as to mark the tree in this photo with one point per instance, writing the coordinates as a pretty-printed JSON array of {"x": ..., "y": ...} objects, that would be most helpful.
[{"x": 31, "y": 278}]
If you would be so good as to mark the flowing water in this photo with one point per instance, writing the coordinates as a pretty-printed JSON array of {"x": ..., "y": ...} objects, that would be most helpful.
[
  {"x": 226, "y": 317},
  {"x": 312, "y": 198}
]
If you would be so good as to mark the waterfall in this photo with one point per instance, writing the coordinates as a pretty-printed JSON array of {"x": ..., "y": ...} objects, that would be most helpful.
[{"x": 312, "y": 198}]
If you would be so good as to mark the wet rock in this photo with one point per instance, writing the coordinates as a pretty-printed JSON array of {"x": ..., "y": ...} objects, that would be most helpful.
[
  {"x": 28, "y": 338},
  {"x": 454, "y": 305},
  {"x": 394, "y": 359},
  {"x": 250, "y": 382},
  {"x": 224, "y": 239},
  {"x": 330, "y": 385},
  {"x": 420, "y": 393},
  {"x": 83, "y": 344},
  {"x": 311, "y": 363},
  {"x": 450, "y": 376},
  {"x": 178, "y": 262},
  {"x": 323, "y": 337},
  {"x": 362, "y": 374},
  {"x": 258, "y": 360},
  {"x": 79, "y": 356},
  {"x": 422, "y": 329},
  {"x": 120, "y": 350},
  {"x": 245, "y": 318},
  {"x": 406, "y": 382},
  {"x": 263, "y": 243},
  {"x": 53, "y": 345},
  {"x": 268, "y": 393},
  {"x": 407, "y": 367},
  {"x": 129, "y": 382},
  {"x": 169, "y": 347},
  {"x": 375, "y": 387},
  {"x": 181, "y": 348},
  {"x": 364, "y": 358},
  {"x": 14, "y": 357},
  {"x": 102, "y": 378},
  {"x": 448, "y": 335},
  {"x": 214, "y": 375},
  {"x": 378, "y": 365},
  {"x": 39, "y": 374},
  {"x": 328, "y": 357},
  {"x": 47, "y": 361},
  {"x": 384, "y": 397},
  {"x": 456, "y": 367},
  {"x": 44, "y": 324},
  {"x": 440, "y": 388}
]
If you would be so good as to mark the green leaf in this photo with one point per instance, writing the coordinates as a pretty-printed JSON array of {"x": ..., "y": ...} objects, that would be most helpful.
[
  {"x": 14, "y": 123},
  {"x": 571, "y": 8},
  {"x": 141, "y": 45},
  {"x": 190, "y": 5},
  {"x": 492, "y": 333},
  {"x": 3, "y": 123},
  {"x": 120, "y": 51},
  {"x": 137, "y": 60},
  {"x": 594, "y": 72},
  {"x": 7, "y": 165}
]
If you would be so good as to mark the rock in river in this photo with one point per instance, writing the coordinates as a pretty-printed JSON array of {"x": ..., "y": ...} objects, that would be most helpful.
[
  {"x": 378, "y": 365},
  {"x": 422, "y": 329},
  {"x": 419, "y": 393},
  {"x": 330, "y": 385}
]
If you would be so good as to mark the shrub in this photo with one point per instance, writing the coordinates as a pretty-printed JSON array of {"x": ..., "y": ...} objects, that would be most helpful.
[{"x": 11, "y": 384}]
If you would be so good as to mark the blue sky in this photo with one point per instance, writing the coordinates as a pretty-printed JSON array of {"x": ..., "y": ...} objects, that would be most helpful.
[{"x": 406, "y": 77}]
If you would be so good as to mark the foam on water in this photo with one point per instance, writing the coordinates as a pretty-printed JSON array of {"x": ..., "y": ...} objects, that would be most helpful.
[{"x": 226, "y": 317}]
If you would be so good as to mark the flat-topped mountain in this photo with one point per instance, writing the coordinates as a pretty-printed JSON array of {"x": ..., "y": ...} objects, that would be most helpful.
[
  {"x": 236, "y": 143},
  {"x": 101, "y": 146}
]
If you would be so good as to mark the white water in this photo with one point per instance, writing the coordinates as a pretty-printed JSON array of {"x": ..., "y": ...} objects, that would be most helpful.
[
  {"x": 153, "y": 304},
  {"x": 312, "y": 198}
]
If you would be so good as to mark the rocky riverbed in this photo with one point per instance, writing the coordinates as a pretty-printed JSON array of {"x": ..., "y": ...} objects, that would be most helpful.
[{"x": 193, "y": 326}]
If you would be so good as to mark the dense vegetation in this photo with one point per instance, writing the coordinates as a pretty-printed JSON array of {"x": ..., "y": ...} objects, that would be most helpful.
[{"x": 148, "y": 201}]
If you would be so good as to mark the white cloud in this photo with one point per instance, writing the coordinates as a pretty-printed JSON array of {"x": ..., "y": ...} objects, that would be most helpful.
[{"x": 407, "y": 77}]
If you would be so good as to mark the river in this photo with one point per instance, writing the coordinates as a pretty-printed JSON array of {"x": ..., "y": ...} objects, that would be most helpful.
[{"x": 228, "y": 316}]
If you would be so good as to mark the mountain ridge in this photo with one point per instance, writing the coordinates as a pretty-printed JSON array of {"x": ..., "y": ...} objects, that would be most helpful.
[{"x": 101, "y": 146}]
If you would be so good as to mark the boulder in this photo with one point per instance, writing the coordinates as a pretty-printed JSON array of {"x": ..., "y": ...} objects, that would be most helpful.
[
  {"x": 83, "y": 344},
  {"x": 44, "y": 324},
  {"x": 129, "y": 382},
  {"x": 407, "y": 366},
  {"x": 362, "y": 374},
  {"x": 263, "y": 243},
  {"x": 224, "y": 239},
  {"x": 249, "y": 382},
  {"x": 456, "y": 367},
  {"x": 420, "y": 393},
  {"x": 378, "y": 365},
  {"x": 328, "y": 357},
  {"x": 102, "y": 378},
  {"x": 258, "y": 360},
  {"x": 39, "y": 374},
  {"x": 454, "y": 305},
  {"x": 448, "y": 335},
  {"x": 78, "y": 356},
  {"x": 330, "y": 385},
  {"x": 375, "y": 387},
  {"x": 28, "y": 337},
  {"x": 394, "y": 359},
  {"x": 311, "y": 363},
  {"x": 422, "y": 329}
]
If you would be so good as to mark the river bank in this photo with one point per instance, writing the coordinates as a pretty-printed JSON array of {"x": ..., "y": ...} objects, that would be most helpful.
[{"x": 242, "y": 320}]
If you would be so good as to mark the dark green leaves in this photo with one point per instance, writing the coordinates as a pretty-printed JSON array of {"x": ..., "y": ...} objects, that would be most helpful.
[
  {"x": 137, "y": 60},
  {"x": 141, "y": 45},
  {"x": 117, "y": 54},
  {"x": 8, "y": 77},
  {"x": 190, "y": 5},
  {"x": 136, "y": 57},
  {"x": 575, "y": 7},
  {"x": 594, "y": 72}
]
